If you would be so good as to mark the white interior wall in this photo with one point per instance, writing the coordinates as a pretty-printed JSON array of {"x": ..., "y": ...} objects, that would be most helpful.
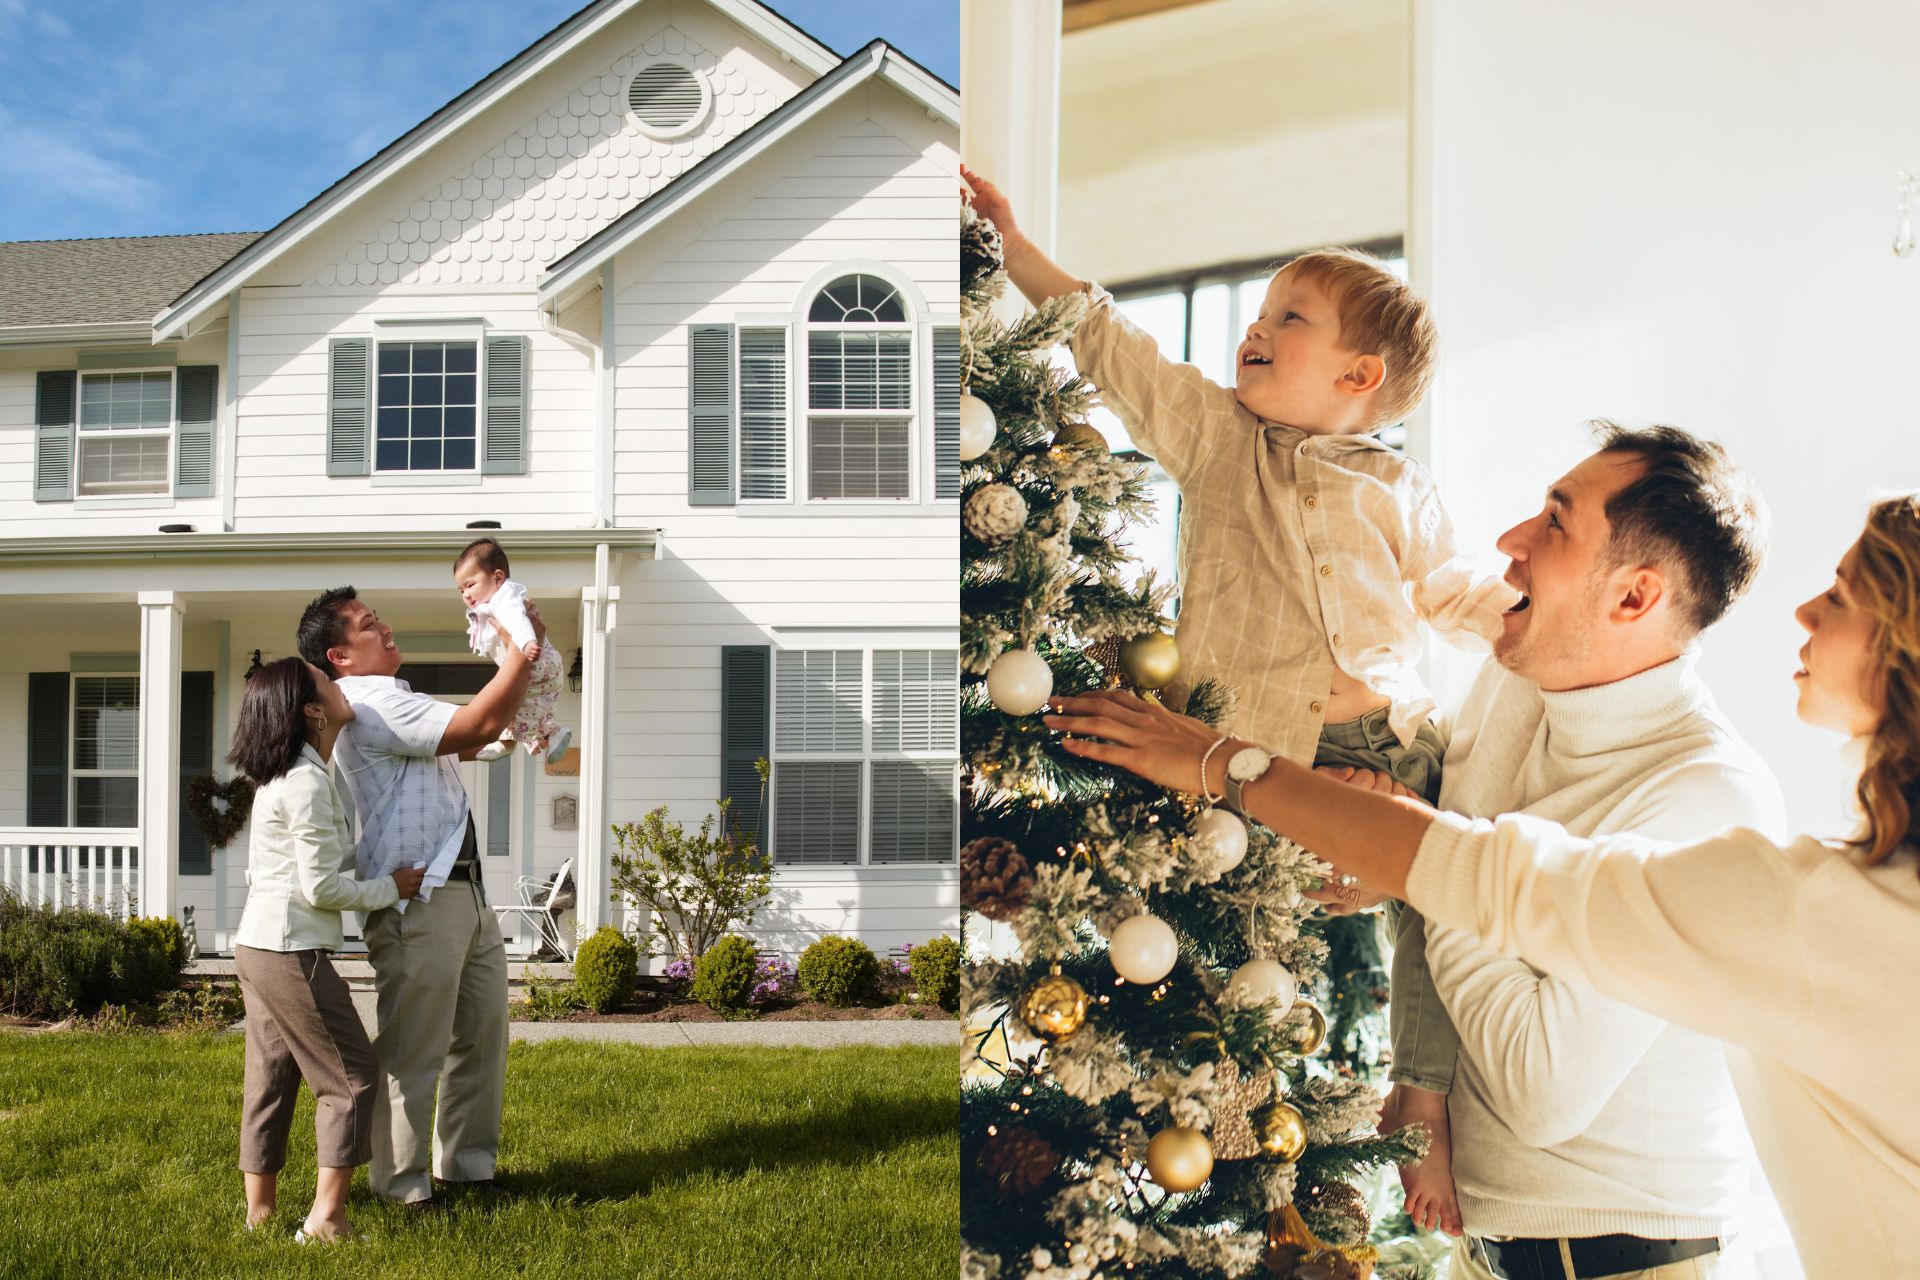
[{"x": 1678, "y": 213}]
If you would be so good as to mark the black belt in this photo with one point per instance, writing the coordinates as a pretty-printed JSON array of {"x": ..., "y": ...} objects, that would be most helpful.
[
  {"x": 464, "y": 871},
  {"x": 1593, "y": 1256}
]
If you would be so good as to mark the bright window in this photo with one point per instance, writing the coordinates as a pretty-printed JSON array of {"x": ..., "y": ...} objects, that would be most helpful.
[
  {"x": 859, "y": 392},
  {"x": 126, "y": 434},
  {"x": 865, "y": 756},
  {"x": 106, "y": 751},
  {"x": 427, "y": 406}
]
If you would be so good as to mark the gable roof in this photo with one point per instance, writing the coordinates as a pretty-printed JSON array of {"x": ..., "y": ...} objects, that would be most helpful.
[
  {"x": 212, "y": 288},
  {"x": 877, "y": 59},
  {"x": 117, "y": 279}
]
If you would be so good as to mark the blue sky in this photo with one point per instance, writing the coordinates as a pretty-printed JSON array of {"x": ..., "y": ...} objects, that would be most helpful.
[{"x": 136, "y": 117}]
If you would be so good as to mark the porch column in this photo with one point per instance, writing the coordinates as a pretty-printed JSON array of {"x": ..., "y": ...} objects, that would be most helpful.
[
  {"x": 594, "y": 860},
  {"x": 160, "y": 617}
]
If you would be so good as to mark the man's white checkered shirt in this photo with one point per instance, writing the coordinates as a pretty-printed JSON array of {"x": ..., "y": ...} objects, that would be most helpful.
[
  {"x": 411, "y": 803},
  {"x": 1297, "y": 551}
]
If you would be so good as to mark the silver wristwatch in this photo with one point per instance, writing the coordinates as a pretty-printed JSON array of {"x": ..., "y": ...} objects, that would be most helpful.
[{"x": 1243, "y": 766}]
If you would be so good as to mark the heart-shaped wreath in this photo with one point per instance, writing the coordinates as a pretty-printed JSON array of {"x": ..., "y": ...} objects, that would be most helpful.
[{"x": 220, "y": 824}]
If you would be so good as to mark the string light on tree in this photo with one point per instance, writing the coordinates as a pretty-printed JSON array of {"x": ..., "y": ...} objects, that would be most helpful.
[
  {"x": 1143, "y": 949},
  {"x": 1020, "y": 682}
]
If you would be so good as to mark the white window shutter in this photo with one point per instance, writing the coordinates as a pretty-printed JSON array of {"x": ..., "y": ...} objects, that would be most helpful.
[
  {"x": 946, "y": 412},
  {"x": 709, "y": 415},
  {"x": 503, "y": 450},
  {"x": 763, "y": 414}
]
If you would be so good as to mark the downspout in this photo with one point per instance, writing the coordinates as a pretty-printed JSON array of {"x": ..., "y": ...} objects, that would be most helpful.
[
  {"x": 603, "y": 441},
  {"x": 230, "y": 424}
]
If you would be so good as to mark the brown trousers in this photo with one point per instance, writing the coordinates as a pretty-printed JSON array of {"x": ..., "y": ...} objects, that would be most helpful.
[{"x": 301, "y": 1023}]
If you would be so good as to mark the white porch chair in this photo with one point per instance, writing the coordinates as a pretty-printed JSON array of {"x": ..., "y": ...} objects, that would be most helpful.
[{"x": 541, "y": 902}]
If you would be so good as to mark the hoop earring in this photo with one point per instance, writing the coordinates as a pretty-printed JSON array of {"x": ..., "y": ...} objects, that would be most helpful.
[{"x": 322, "y": 726}]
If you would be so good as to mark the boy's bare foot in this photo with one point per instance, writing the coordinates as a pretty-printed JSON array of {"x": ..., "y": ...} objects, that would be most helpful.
[
  {"x": 1431, "y": 1200},
  {"x": 257, "y": 1214},
  {"x": 328, "y": 1230}
]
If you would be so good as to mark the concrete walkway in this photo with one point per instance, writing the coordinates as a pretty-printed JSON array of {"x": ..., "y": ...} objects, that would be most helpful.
[{"x": 817, "y": 1035}]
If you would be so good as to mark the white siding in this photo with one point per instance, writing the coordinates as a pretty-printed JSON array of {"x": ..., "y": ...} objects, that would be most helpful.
[{"x": 871, "y": 180}]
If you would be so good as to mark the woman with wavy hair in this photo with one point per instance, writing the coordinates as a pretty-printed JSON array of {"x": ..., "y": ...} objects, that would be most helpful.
[
  {"x": 301, "y": 1022},
  {"x": 1804, "y": 958}
]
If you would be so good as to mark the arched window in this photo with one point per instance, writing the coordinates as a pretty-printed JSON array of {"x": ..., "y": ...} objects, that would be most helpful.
[{"x": 860, "y": 409}]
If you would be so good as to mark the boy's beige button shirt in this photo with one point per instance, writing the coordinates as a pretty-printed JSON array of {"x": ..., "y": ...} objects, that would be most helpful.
[
  {"x": 300, "y": 864},
  {"x": 1297, "y": 552}
]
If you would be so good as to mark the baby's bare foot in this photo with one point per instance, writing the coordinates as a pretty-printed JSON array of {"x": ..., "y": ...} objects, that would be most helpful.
[{"x": 1431, "y": 1200}]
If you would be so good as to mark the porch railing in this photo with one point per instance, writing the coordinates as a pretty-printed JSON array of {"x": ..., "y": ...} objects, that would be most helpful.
[{"x": 97, "y": 868}]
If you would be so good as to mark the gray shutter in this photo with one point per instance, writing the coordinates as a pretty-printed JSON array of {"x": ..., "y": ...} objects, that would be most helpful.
[
  {"x": 709, "y": 415},
  {"x": 503, "y": 450},
  {"x": 196, "y": 409},
  {"x": 53, "y": 417},
  {"x": 196, "y": 758},
  {"x": 349, "y": 406},
  {"x": 47, "y": 693},
  {"x": 746, "y": 709},
  {"x": 946, "y": 413}
]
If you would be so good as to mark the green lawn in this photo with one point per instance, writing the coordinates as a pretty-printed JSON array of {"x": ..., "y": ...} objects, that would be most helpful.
[{"x": 117, "y": 1159}]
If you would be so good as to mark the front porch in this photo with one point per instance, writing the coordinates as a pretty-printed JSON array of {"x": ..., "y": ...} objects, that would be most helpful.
[{"x": 141, "y": 649}]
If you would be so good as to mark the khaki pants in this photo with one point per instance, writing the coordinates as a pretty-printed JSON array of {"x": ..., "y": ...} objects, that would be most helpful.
[
  {"x": 440, "y": 970},
  {"x": 301, "y": 1023},
  {"x": 1467, "y": 1267}
]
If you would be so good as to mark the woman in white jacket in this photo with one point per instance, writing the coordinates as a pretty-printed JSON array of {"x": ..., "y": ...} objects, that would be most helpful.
[
  {"x": 1804, "y": 958},
  {"x": 301, "y": 1022}
]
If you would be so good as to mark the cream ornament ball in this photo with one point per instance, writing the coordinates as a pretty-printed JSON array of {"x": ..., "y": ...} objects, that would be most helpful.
[
  {"x": 1019, "y": 682},
  {"x": 994, "y": 513},
  {"x": 1143, "y": 949},
  {"x": 1265, "y": 982},
  {"x": 977, "y": 427},
  {"x": 1225, "y": 833}
]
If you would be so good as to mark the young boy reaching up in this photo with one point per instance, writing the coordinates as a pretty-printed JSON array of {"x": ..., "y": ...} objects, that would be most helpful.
[{"x": 1309, "y": 554}]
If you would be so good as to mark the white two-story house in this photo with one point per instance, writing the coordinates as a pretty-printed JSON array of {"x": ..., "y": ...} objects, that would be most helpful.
[{"x": 669, "y": 305}]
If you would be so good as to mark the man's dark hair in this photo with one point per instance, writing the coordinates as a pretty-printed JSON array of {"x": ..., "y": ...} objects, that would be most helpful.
[
  {"x": 1692, "y": 513},
  {"x": 273, "y": 723},
  {"x": 484, "y": 552},
  {"x": 324, "y": 625}
]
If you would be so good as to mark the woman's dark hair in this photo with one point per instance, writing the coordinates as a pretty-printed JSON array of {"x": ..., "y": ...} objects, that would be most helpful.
[{"x": 273, "y": 721}]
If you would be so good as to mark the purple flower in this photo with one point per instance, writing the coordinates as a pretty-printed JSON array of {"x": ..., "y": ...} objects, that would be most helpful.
[{"x": 679, "y": 970}]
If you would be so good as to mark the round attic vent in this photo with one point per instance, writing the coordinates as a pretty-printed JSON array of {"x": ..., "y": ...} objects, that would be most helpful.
[{"x": 668, "y": 99}]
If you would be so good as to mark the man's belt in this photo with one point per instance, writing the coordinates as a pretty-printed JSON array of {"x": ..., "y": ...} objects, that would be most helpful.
[
  {"x": 464, "y": 871},
  {"x": 1593, "y": 1256}
]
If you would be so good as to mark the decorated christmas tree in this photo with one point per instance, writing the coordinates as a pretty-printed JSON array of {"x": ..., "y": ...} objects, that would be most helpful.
[{"x": 1149, "y": 1093}]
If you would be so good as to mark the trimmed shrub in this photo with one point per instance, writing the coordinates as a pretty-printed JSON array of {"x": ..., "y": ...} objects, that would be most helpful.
[
  {"x": 604, "y": 969},
  {"x": 723, "y": 978},
  {"x": 936, "y": 971},
  {"x": 55, "y": 963},
  {"x": 839, "y": 971},
  {"x": 166, "y": 948}
]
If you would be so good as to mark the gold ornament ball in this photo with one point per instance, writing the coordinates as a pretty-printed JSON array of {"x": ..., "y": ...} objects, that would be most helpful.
[
  {"x": 1079, "y": 437},
  {"x": 1280, "y": 1130},
  {"x": 1151, "y": 661},
  {"x": 1054, "y": 1007},
  {"x": 1179, "y": 1159},
  {"x": 1305, "y": 1038}
]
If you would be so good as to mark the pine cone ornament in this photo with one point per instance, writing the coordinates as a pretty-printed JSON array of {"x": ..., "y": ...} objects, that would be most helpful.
[
  {"x": 980, "y": 250},
  {"x": 1015, "y": 1162},
  {"x": 994, "y": 513},
  {"x": 1336, "y": 1211},
  {"x": 995, "y": 877}
]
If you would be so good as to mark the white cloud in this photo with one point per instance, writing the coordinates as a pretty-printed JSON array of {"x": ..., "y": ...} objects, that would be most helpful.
[{"x": 49, "y": 164}]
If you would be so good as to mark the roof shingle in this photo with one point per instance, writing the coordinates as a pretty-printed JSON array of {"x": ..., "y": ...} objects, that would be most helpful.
[{"x": 119, "y": 278}]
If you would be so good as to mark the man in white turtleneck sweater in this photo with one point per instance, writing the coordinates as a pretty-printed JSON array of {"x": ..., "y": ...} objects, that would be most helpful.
[{"x": 1590, "y": 1139}]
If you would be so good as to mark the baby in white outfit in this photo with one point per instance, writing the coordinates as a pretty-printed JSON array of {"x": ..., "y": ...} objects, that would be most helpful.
[{"x": 490, "y": 595}]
